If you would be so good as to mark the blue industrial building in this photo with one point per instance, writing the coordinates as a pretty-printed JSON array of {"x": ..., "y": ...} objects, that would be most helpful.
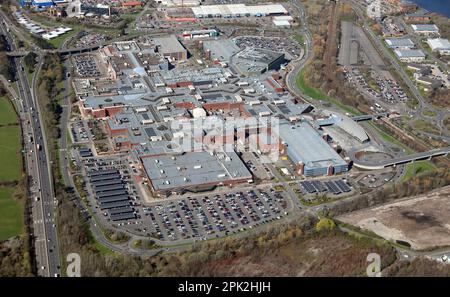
[{"x": 37, "y": 4}]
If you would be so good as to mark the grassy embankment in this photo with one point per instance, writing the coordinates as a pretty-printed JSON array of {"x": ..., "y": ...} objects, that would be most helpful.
[{"x": 11, "y": 210}]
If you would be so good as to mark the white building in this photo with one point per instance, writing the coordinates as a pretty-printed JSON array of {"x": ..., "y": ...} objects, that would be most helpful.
[
  {"x": 439, "y": 45},
  {"x": 410, "y": 55},
  {"x": 238, "y": 10}
]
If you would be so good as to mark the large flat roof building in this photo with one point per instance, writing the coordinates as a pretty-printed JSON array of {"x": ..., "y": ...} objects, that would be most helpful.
[
  {"x": 440, "y": 45},
  {"x": 220, "y": 50},
  {"x": 238, "y": 10},
  {"x": 170, "y": 47},
  {"x": 312, "y": 155},
  {"x": 399, "y": 43},
  {"x": 254, "y": 61},
  {"x": 194, "y": 171},
  {"x": 425, "y": 29},
  {"x": 410, "y": 55}
]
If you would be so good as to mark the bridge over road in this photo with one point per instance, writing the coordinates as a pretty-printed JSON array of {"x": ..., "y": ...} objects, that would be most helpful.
[
  {"x": 62, "y": 52},
  {"x": 369, "y": 117},
  {"x": 399, "y": 160}
]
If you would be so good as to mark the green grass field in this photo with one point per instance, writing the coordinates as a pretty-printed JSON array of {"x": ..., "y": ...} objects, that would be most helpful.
[
  {"x": 10, "y": 162},
  {"x": 11, "y": 211},
  {"x": 11, "y": 214},
  {"x": 418, "y": 168},
  {"x": 7, "y": 113}
]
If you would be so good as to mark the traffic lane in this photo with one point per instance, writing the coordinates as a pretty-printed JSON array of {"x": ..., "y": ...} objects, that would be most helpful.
[{"x": 47, "y": 200}]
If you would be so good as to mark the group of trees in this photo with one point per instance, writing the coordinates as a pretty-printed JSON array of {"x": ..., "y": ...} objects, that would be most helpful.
[
  {"x": 30, "y": 61},
  {"x": 15, "y": 258},
  {"x": 330, "y": 78},
  {"x": 6, "y": 66},
  {"x": 417, "y": 185},
  {"x": 440, "y": 97},
  {"x": 52, "y": 73}
]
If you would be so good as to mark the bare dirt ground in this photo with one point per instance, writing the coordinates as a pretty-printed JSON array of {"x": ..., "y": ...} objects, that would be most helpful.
[{"x": 422, "y": 221}]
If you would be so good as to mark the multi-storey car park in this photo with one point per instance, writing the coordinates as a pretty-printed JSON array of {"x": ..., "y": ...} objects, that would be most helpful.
[{"x": 135, "y": 94}]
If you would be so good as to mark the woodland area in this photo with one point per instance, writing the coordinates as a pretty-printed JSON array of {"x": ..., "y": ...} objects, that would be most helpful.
[
  {"x": 323, "y": 72},
  {"x": 6, "y": 67}
]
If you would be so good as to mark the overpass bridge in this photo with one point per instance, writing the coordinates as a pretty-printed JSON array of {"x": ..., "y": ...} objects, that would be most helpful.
[
  {"x": 369, "y": 117},
  {"x": 62, "y": 52},
  {"x": 400, "y": 160}
]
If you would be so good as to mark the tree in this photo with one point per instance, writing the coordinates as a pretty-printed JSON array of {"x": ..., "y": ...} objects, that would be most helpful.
[
  {"x": 6, "y": 68},
  {"x": 325, "y": 224},
  {"x": 30, "y": 61}
]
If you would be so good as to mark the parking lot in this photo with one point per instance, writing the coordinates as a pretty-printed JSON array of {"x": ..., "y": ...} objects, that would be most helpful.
[
  {"x": 86, "y": 66},
  {"x": 80, "y": 132},
  {"x": 86, "y": 39},
  {"x": 335, "y": 187},
  {"x": 277, "y": 44},
  {"x": 206, "y": 217},
  {"x": 388, "y": 90}
]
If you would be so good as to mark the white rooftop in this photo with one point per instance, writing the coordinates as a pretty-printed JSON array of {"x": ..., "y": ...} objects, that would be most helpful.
[
  {"x": 239, "y": 9},
  {"x": 439, "y": 44}
]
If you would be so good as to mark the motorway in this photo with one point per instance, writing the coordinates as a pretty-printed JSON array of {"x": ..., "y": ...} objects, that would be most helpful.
[{"x": 44, "y": 228}]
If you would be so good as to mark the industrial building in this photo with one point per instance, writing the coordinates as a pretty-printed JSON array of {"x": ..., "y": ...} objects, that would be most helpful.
[
  {"x": 400, "y": 43},
  {"x": 37, "y": 4},
  {"x": 284, "y": 21},
  {"x": 238, "y": 10},
  {"x": 425, "y": 29},
  {"x": 312, "y": 155},
  {"x": 420, "y": 15},
  {"x": 439, "y": 45},
  {"x": 194, "y": 171},
  {"x": 255, "y": 61},
  {"x": 410, "y": 55}
]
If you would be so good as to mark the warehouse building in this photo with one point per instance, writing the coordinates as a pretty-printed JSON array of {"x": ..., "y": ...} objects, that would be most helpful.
[
  {"x": 439, "y": 45},
  {"x": 238, "y": 10},
  {"x": 425, "y": 29},
  {"x": 37, "y": 4},
  {"x": 194, "y": 171},
  {"x": 421, "y": 15},
  {"x": 410, "y": 55},
  {"x": 312, "y": 155},
  {"x": 400, "y": 43}
]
